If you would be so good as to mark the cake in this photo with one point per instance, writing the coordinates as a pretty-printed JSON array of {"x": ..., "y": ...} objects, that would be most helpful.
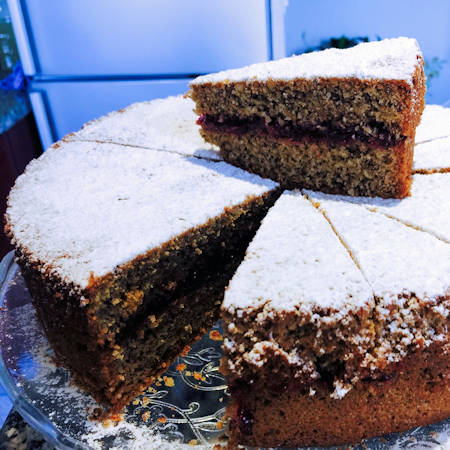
[
  {"x": 128, "y": 231},
  {"x": 336, "y": 326},
  {"x": 126, "y": 253},
  {"x": 338, "y": 121},
  {"x": 167, "y": 124}
]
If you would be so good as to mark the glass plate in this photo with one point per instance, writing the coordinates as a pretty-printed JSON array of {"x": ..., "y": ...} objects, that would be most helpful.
[{"x": 184, "y": 407}]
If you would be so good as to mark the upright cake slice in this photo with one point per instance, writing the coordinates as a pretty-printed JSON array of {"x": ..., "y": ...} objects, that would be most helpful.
[
  {"x": 337, "y": 327},
  {"x": 127, "y": 253},
  {"x": 339, "y": 121}
]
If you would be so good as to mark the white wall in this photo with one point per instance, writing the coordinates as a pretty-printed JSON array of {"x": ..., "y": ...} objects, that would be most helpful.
[{"x": 307, "y": 22}]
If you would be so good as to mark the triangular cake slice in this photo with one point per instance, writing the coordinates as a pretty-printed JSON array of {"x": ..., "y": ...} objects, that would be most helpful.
[
  {"x": 428, "y": 207},
  {"x": 162, "y": 124},
  {"x": 329, "y": 309},
  {"x": 127, "y": 253},
  {"x": 339, "y": 121},
  {"x": 432, "y": 156},
  {"x": 434, "y": 124}
]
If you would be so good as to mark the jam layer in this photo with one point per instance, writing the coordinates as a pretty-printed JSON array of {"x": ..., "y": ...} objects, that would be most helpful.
[{"x": 375, "y": 133}]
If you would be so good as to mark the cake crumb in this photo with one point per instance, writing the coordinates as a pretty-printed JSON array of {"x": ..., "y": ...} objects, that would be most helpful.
[
  {"x": 169, "y": 382},
  {"x": 185, "y": 351},
  {"x": 162, "y": 419},
  {"x": 145, "y": 416},
  {"x": 215, "y": 335},
  {"x": 181, "y": 367}
]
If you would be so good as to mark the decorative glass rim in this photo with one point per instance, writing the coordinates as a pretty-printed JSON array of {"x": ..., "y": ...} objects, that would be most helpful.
[
  {"x": 432, "y": 436},
  {"x": 32, "y": 415}
]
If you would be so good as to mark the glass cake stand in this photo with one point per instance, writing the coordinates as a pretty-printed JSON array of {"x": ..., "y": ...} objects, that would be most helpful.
[{"x": 184, "y": 407}]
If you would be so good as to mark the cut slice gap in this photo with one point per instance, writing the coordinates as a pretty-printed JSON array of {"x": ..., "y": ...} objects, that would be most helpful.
[
  {"x": 433, "y": 156},
  {"x": 208, "y": 156},
  {"x": 379, "y": 243},
  {"x": 341, "y": 240},
  {"x": 162, "y": 124},
  {"x": 426, "y": 210},
  {"x": 434, "y": 124}
]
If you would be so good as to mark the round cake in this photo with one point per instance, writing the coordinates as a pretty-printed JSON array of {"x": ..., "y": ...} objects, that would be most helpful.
[{"x": 133, "y": 236}]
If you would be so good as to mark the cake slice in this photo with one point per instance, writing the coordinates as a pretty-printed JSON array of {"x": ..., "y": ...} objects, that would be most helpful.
[
  {"x": 126, "y": 253},
  {"x": 336, "y": 327},
  {"x": 428, "y": 208},
  {"x": 432, "y": 156},
  {"x": 163, "y": 124},
  {"x": 339, "y": 121},
  {"x": 434, "y": 124}
]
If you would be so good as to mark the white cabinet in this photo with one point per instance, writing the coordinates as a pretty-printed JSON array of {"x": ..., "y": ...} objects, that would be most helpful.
[{"x": 142, "y": 37}]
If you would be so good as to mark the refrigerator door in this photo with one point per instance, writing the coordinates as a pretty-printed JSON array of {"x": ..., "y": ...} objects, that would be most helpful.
[
  {"x": 83, "y": 37},
  {"x": 61, "y": 107}
]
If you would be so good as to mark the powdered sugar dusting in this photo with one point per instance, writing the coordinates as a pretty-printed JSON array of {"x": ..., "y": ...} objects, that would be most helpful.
[
  {"x": 87, "y": 207},
  {"x": 164, "y": 124},
  {"x": 428, "y": 207},
  {"x": 432, "y": 156},
  {"x": 391, "y": 59},
  {"x": 396, "y": 259},
  {"x": 434, "y": 124},
  {"x": 296, "y": 262}
]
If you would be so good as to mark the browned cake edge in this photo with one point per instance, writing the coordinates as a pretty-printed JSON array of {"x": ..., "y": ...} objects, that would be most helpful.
[
  {"x": 97, "y": 361},
  {"x": 348, "y": 167},
  {"x": 416, "y": 393}
]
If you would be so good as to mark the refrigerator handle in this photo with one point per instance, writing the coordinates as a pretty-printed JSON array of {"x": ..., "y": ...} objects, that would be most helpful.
[
  {"x": 277, "y": 9},
  {"x": 42, "y": 120},
  {"x": 22, "y": 38}
]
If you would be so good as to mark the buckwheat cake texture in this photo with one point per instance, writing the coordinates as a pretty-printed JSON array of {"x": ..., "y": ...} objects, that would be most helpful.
[
  {"x": 339, "y": 121},
  {"x": 126, "y": 253},
  {"x": 337, "y": 327}
]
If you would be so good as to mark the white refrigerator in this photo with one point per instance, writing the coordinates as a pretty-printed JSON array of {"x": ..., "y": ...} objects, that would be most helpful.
[{"x": 84, "y": 58}]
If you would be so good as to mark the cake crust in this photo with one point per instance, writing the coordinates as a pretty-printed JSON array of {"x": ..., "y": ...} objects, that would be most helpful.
[
  {"x": 415, "y": 392},
  {"x": 326, "y": 308}
]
